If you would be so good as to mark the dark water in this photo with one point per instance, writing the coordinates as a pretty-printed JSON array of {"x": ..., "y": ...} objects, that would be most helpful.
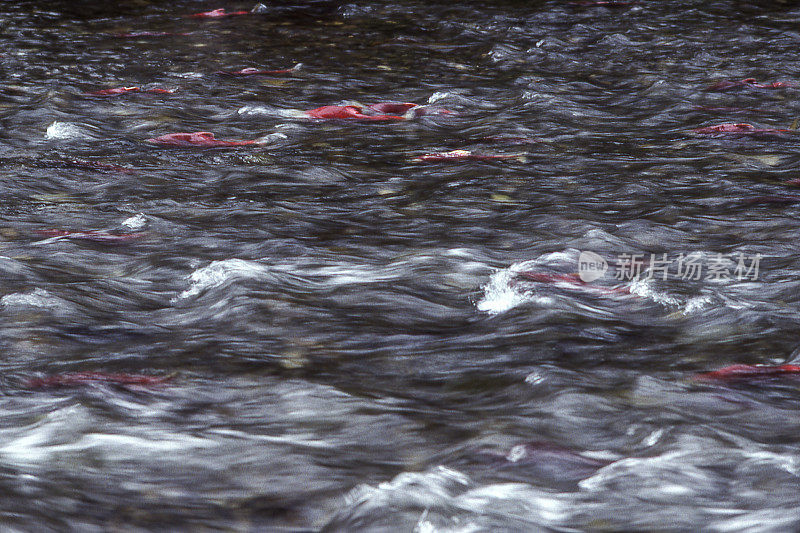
[{"x": 351, "y": 344}]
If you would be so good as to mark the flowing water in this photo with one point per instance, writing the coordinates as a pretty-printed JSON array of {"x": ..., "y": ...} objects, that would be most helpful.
[{"x": 353, "y": 339}]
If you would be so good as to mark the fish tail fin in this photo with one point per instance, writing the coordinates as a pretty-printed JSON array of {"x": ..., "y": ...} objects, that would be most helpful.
[
  {"x": 414, "y": 112},
  {"x": 293, "y": 113}
]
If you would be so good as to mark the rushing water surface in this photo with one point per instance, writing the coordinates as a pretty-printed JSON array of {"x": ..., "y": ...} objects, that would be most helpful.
[{"x": 353, "y": 340}]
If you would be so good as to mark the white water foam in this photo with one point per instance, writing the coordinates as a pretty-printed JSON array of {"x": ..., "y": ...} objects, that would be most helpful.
[
  {"x": 65, "y": 130},
  {"x": 69, "y": 432},
  {"x": 448, "y": 501},
  {"x": 135, "y": 222},
  {"x": 501, "y": 293},
  {"x": 500, "y": 296},
  {"x": 310, "y": 275},
  {"x": 37, "y": 298},
  {"x": 413, "y": 488},
  {"x": 219, "y": 272}
]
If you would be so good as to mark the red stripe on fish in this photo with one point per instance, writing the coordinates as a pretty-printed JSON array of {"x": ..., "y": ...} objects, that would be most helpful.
[
  {"x": 347, "y": 112},
  {"x": 218, "y": 13},
  {"x": 549, "y": 277},
  {"x": 604, "y": 3},
  {"x": 126, "y": 90},
  {"x": 198, "y": 139},
  {"x": 113, "y": 92},
  {"x": 737, "y": 372},
  {"x": 571, "y": 280},
  {"x": 386, "y": 111}
]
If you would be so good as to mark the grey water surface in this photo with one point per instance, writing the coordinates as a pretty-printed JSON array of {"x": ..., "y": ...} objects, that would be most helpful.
[{"x": 349, "y": 338}]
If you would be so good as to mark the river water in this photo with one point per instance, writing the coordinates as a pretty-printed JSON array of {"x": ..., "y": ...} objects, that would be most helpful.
[{"x": 348, "y": 338}]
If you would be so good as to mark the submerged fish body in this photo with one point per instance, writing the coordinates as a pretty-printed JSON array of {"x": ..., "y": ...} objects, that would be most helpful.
[
  {"x": 407, "y": 109},
  {"x": 722, "y": 109},
  {"x": 255, "y": 72},
  {"x": 218, "y": 13},
  {"x": 96, "y": 166},
  {"x": 748, "y": 372},
  {"x": 774, "y": 199},
  {"x": 76, "y": 379},
  {"x": 603, "y": 3},
  {"x": 380, "y": 111},
  {"x": 462, "y": 155},
  {"x": 550, "y": 277},
  {"x": 139, "y": 34},
  {"x": 196, "y": 139},
  {"x": 113, "y": 92},
  {"x": 747, "y": 83},
  {"x": 509, "y": 139},
  {"x": 116, "y": 91},
  {"x": 569, "y": 280},
  {"x": 737, "y": 128},
  {"x": 393, "y": 108},
  {"x": 348, "y": 112},
  {"x": 91, "y": 235}
]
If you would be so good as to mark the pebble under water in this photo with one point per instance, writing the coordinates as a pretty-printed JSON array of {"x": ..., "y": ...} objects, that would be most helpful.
[{"x": 221, "y": 311}]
